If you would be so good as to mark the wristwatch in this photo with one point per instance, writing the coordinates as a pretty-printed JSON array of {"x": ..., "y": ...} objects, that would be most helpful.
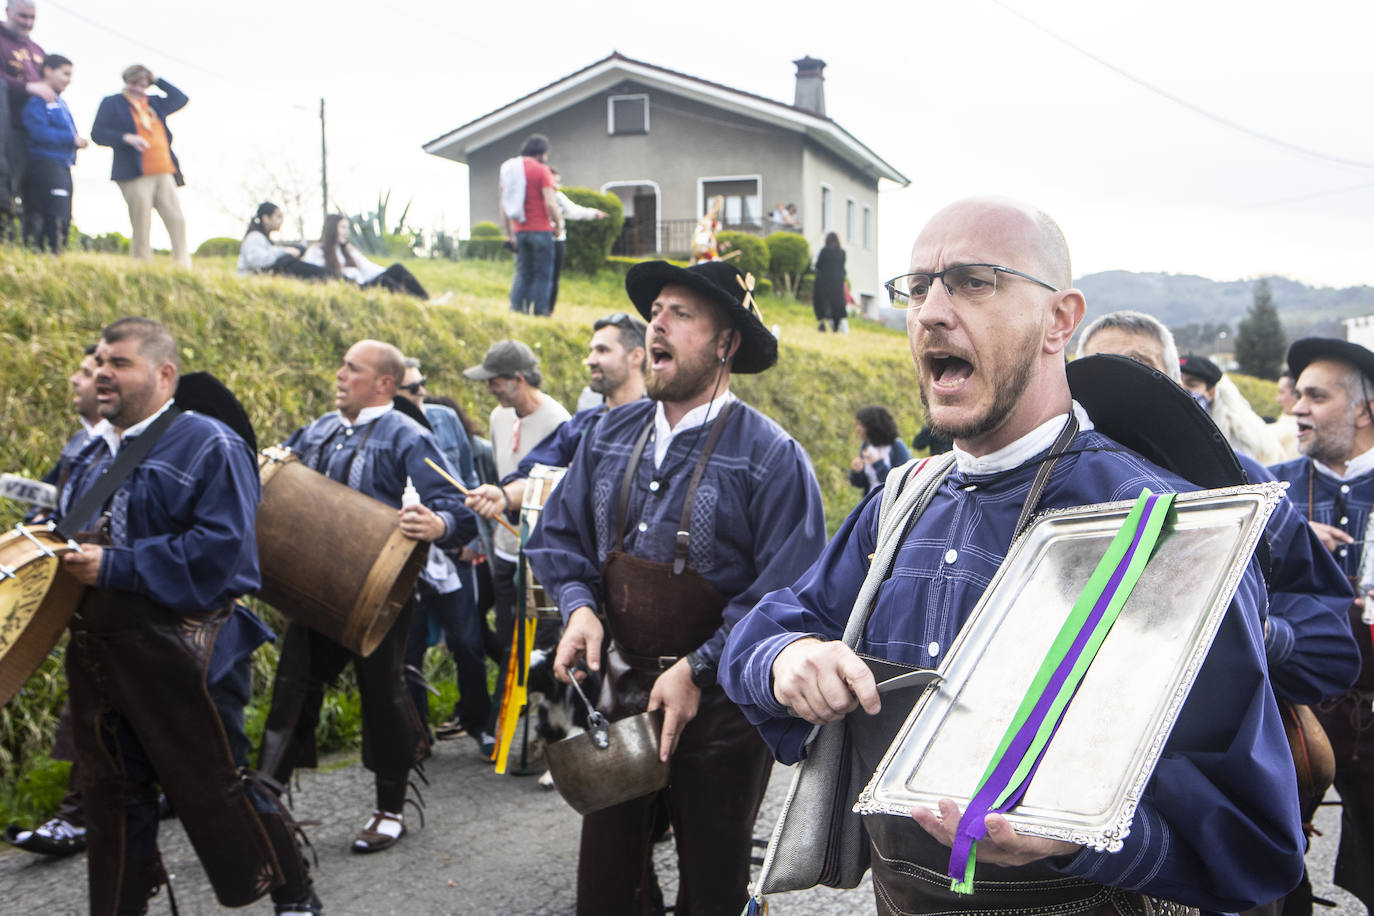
[{"x": 703, "y": 671}]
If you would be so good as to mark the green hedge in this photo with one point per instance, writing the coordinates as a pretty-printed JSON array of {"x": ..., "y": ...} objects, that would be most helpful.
[
  {"x": 486, "y": 230},
  {"x": 753, "y": 258},
  {"x": 590, "y": 240},
  {"x": 218, "y": 248},
  {"x": 789, "y": 256}
]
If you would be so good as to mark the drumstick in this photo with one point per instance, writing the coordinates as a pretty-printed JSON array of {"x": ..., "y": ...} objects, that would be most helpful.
[{"x": 466, "y": 492}]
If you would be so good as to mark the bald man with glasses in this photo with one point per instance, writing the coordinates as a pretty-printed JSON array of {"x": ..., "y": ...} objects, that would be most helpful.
[{"x": 990, "y": 312}]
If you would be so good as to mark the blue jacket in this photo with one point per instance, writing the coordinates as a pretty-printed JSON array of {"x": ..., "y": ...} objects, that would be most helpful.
[
  {"x": 757, "y": 521},
  {"x": 1218, "y": 825},
  {"x": 115, "y": 118},
  {"x": 187, "y": 512},
  {"x": 52, "y": 132}
]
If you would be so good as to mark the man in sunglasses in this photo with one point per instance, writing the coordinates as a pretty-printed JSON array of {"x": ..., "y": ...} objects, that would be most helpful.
[
  {"x": 990, "y": 312},
  {"x": 678, "y": 514}
]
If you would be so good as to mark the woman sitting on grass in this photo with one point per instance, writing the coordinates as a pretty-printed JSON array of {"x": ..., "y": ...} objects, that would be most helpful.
[
  {"x": 257, "y": 253},
  {"x": 340, "y": 259},
  {"x": 881, "y": 451}
]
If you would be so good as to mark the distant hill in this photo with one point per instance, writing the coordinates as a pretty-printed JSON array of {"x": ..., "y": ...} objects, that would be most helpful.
[{"x": 1183, "y": 299}]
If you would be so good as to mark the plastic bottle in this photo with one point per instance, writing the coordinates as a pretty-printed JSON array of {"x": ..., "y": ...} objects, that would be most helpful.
[{"x": 410, "y": 496}]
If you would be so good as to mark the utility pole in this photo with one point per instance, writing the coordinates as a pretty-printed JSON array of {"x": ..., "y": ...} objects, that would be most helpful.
[{"x": 324, "y": 170}]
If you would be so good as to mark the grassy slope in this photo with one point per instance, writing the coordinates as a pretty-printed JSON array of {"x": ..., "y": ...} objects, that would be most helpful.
[{"x": 278, "y": 342}]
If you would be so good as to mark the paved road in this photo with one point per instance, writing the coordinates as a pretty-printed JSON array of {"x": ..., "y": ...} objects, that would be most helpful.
[{"x": 493, "y": 845}]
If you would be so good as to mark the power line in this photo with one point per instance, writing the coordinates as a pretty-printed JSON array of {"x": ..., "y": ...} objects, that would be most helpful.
[
  {"x": 239, "y": 83},
  {"x": 1184, "y": 103}
]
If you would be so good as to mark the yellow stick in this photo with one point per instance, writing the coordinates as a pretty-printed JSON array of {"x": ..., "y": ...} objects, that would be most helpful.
[{"x": 466, "y": 492}]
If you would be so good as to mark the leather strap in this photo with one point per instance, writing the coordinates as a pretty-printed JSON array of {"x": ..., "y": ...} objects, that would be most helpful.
[
  {"x": 128, "y": 458},
  {"x": 626, "y": 482},
  {"x": 1042, "y": 475},
  {"x": 685, "y": 523},
  {"x": 684, "y": 528}
]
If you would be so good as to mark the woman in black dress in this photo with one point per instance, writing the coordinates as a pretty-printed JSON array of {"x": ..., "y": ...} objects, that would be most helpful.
[{"x": 827, "y": 298}]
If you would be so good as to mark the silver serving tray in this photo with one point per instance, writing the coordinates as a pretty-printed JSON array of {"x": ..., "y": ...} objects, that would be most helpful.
[{"x": 1092, "y": 776}]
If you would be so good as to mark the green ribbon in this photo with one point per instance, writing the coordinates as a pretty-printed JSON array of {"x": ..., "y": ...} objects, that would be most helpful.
[{"x": 1042, "y": 708}]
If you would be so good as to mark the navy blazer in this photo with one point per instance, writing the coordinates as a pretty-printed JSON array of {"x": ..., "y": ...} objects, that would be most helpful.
[{"x": 115, "y": 118}]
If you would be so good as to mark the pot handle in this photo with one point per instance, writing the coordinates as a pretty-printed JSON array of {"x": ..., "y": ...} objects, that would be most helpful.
[{"x": 597, "y": 726}]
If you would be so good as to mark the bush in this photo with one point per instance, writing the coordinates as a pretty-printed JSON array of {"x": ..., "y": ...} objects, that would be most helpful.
[
  {"x": 218, "y": 248},
  {"x": 788, "y": 257},
  {"x": 484, "y": 249},
  {"x": 590, "y": 240},
  {"x": 485, "y": 230},
  {"x": 753, "y": 257}
]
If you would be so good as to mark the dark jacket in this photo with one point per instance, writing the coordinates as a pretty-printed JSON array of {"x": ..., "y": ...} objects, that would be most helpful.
[{"x": 115, "y": 118}]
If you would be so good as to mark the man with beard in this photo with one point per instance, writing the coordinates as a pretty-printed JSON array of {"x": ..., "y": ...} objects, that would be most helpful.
[
  {"x": 615, "y": 361},
  {"x": 990, "y": 313},
  {"x": 172, "y": 548},
  {"x": 678, "y": 514},
  {"x": 1333, "y": 487},
  {"x": 1310, "y": 653},
  {"x": 369, "y": 445}
]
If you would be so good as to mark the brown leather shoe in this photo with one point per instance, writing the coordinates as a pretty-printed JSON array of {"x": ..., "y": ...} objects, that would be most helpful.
[{"x": 374, "y": 837}]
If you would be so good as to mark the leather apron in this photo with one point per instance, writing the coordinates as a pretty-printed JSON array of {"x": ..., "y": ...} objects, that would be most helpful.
[{"x": 656, "y": 612}]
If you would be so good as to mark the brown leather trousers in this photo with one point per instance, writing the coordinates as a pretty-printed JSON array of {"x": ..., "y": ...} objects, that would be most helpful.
[{"x": 141, "y": 717}]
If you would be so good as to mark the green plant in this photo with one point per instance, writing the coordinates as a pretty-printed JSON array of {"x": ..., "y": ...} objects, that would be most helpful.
[
  {"x": 369, "y": 233},
  {"x": 753, "y": 251},
  {"x": 486, "y": 230},
  {"x": 789, "y": 256},
  {"x": 590, "y": 240},
  {"x": 218, "y": 248}
]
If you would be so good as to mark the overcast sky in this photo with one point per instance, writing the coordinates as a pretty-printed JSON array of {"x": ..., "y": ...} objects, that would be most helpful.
[{"x": 976, "y": 96}]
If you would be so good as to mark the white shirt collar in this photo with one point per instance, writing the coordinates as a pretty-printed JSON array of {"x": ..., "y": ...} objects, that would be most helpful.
[
  {"x": 1022, "y": 450},
  {"x": 663, "y": 435},
  {"x": 367, "y": 414},
  {"x": 94, "y": 430},
  {"x": 112, "y": 436},
  {"x": 1358, "y": 466}
]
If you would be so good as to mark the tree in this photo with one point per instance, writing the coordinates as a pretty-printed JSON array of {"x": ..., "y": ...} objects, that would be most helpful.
[{"x": 1260, "y": 339}]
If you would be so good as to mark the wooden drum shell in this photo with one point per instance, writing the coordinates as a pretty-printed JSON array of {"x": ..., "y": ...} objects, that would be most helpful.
[
  {"x": 332, "y": 558},
  {"x": 37, "y": 599}
]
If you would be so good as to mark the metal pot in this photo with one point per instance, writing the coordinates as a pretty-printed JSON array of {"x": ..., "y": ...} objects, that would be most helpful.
[{"x": 609, "y": 763}]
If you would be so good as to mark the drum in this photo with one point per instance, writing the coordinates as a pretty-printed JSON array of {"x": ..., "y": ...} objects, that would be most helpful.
[
  {"x": 332, "y": 558},
  {"x": 539, "y": 485},
  {"x": 37, "y": 598}
]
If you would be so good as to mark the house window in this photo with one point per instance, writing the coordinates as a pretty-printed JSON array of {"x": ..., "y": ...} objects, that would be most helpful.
[
  {"x": 851, "y": 211},
  {"x": 627, "y": 114},
  {"x": 743, "y": 204},
  {"x": 868, "y": 227},
  {"x": 827, "y": 209}
]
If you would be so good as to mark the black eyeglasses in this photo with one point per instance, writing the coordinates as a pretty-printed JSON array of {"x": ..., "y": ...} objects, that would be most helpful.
[
  {"x": 415, "y": 386},
  {"x": 619, "y": 320},
  {"x": 965, "y": 282}
]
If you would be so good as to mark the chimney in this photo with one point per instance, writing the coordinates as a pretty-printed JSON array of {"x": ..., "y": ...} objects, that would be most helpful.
[{"x": 810, "y": 85}]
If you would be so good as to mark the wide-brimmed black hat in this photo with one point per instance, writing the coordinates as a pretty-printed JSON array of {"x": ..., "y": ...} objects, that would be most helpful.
[
  {"x": 722, "y": 284},
  {"x": 203, "y": 393},
  {"x": 1202, "y": 367},
  {"x": 1310, "y": 349},
  {"x": 1151, "y": 414}
]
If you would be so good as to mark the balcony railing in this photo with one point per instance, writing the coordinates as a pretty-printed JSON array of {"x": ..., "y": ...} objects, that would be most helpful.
[{"x": 668, "y": 237}]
